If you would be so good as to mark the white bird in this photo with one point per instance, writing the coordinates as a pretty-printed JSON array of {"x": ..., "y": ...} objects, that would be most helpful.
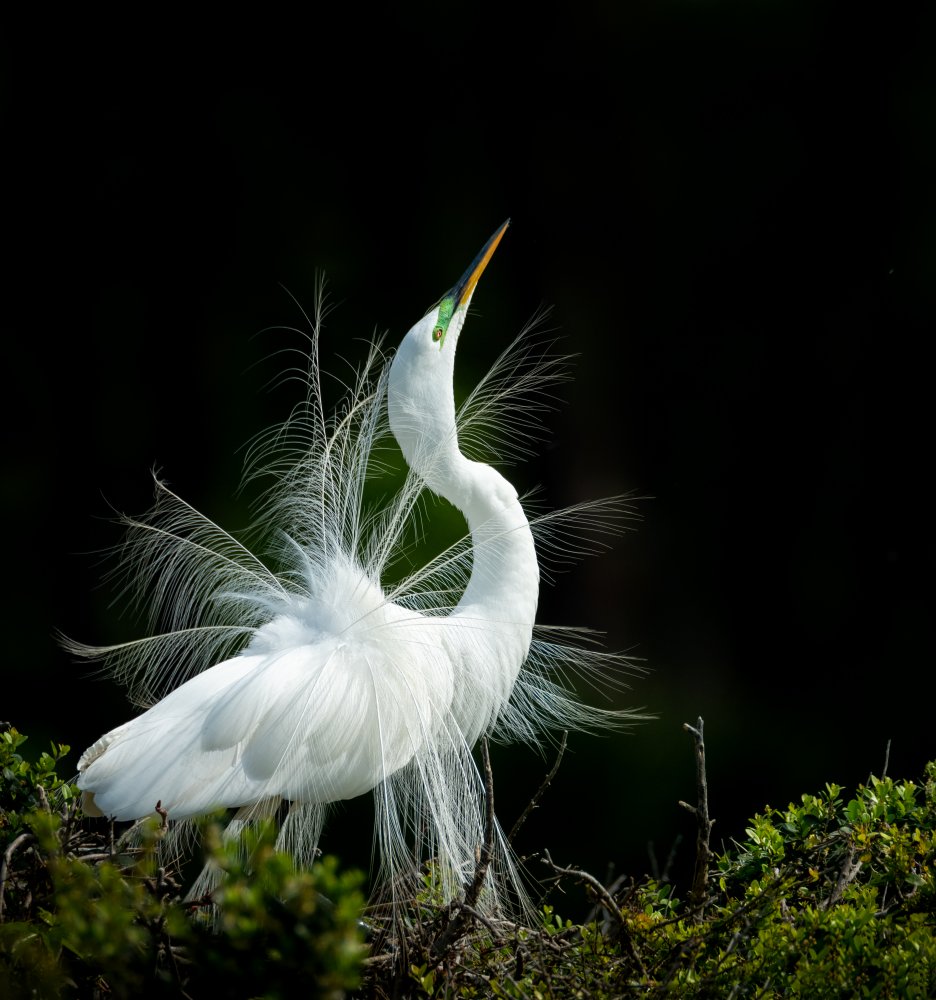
[{"x": 289, "y": 690}]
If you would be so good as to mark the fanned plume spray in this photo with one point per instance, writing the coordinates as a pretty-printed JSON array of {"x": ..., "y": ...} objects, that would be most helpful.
[{"x": 276, "y": 691}]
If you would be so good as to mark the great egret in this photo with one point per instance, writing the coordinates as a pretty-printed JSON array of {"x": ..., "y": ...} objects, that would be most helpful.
[{"x": 288, "y": 691}]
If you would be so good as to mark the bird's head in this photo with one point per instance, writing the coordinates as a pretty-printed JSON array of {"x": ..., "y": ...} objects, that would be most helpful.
[{"x": 420, "y": 395}]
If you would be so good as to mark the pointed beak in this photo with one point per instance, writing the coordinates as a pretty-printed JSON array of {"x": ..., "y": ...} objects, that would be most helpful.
[{"x": 461, "y": 293}]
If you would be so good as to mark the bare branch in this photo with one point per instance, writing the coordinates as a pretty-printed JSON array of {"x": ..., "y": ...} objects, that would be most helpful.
[
  {"x": 848, "y": 872},
  {"x": 23, "y": 838},
  {"x": 704, "y": 825},
  {"x": 600, "y": 891},
  {"x": 547, "y": 781},
  {"x": 473, "y": 891},
  {"x": 607, "y": 902}
]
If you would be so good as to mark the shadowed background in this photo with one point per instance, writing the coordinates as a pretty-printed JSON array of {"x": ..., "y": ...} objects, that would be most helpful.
[{"x": 730, "y": 211}]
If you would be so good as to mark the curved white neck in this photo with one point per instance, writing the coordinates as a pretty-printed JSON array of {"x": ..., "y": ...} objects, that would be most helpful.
[
  {"x": 504, "y": 583},
  {"x": 493, "y": 621},
  {"x": 492, "y": 625}
]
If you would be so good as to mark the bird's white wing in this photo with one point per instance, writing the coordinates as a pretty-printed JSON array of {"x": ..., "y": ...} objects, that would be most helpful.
[{"x": 316, "y": 722}]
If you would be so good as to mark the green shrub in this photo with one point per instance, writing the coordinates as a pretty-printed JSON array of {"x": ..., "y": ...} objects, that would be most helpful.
[
  {"x": 833, "y": 896},
  {"x": 85, "y": 917}
]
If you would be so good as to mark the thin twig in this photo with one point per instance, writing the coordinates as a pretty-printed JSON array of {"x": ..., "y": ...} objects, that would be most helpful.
[
  {"x": 69, "y": 818},
  {"x": 671, "y": 859},
  {"x": 547, "y": 781},
  {"x": 607, "y": 902},
  {"x": 600, "y": 891},
  {"x": 655, "y": 872},
  {"x": 847, "y": 873},
  {"x": 704, "y": 825},
  {"x": 473, "y": 890},
  {"x": 472, "y": 912},
  {"x": 23, "y": 838}
]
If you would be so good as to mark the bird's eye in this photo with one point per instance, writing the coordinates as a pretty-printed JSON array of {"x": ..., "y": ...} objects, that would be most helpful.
[{"x": 437, "y": 334}]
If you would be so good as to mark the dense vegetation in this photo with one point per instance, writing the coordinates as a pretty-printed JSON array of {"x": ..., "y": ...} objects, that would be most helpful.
[{"x": 833, "y": 896}]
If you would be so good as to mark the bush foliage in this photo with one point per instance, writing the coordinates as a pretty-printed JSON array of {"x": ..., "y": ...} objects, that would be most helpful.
[{"x": 831, "y": 897}]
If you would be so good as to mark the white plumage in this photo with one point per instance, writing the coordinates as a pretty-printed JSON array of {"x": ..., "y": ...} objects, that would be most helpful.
[{"x": 317, "y": 683}]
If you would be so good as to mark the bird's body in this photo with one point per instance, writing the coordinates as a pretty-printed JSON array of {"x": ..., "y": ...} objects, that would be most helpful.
[{"x": 327, "y": 683}]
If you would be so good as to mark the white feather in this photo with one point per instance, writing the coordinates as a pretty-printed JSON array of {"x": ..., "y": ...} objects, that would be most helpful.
[{"x": 316, "y": 682}]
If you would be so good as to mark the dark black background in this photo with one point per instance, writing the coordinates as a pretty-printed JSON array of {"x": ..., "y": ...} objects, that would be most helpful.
[{"x": 730, "y": 207}]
